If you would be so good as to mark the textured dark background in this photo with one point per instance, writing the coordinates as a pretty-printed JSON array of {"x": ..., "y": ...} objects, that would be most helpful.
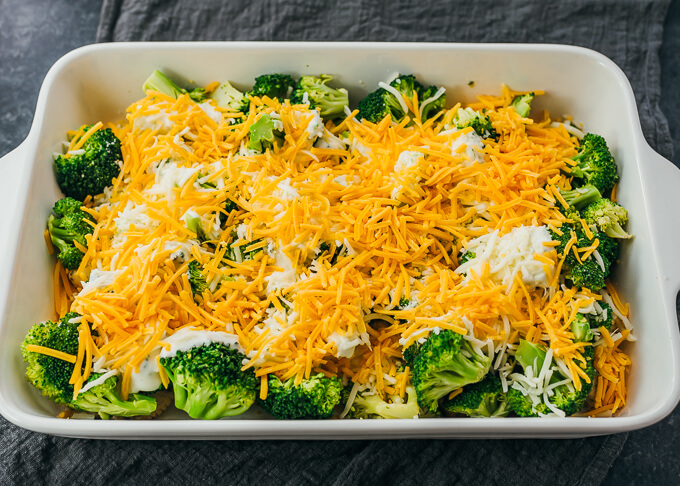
[{"x": 35, "y": 33}]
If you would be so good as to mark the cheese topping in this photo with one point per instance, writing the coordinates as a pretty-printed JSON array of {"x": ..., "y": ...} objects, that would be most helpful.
[{"x": 332, "y": 251}]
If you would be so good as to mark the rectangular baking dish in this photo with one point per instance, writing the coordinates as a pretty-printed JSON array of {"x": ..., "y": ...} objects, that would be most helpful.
[{"x": 98, "y": 82}]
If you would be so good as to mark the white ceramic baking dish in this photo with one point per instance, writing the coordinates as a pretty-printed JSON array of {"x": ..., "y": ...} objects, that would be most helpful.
[{"x": 98, "y": 82}]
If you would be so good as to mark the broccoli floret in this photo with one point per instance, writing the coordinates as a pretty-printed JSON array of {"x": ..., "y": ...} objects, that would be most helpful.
[
  {"x": 90, "y": 172},
  {"x": 273, "y": 86},
  {"x": 48, "y": 374},
  {"x": 208, "y": 381},
  {"x": 411, "y": 353},
  {"x": 480, "y": 123},
  {"x": 314, "y": 398},
  {"x": 444, "y": 363},
  {"x": 608, "y": 216},
  {"x": 595, "y": 164},
  {"x": 482, "y": 399},
  {"x": 51, "y": 375},
  {"x": 105, "y": 400},
  {"x": 226, "y": 96},
  {"x": 196, "y": 278},
  {"x": 608, "y": 250},
  {"x": 565, "y": 397},
  {"x": 330, "y": 102},
  {"x": 66, "y": 225},
  {"x": 374, "y": 407},
  {"x": 586, "y": 273},
  {"x": 263, "y": 134},
  {"x": 158, "y": 81},
  {"x": 407, "y": 85},
  {"x": 568, "y": 399},
  {"x": 522, "y": 405},
  {"x": 581, "y": 196},
  {"x": 602, "y": 319},
  {"x": 580, "y": 327},
  {"x": 430, "y": 107},
  {"x": 522, "y": 104},
  {"x": 378, "y": 104}
]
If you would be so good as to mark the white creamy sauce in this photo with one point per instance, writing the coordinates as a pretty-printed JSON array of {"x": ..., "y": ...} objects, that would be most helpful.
[
  {"x": 188, "y": 338},
  {"x": 283, "y": 279},
  {"x": 148, "y": 377},
  {"x": 473, "y": 151}
]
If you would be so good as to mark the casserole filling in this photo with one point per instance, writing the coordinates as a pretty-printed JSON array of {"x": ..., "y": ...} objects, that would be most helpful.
[{"x": 401, "y": 260}]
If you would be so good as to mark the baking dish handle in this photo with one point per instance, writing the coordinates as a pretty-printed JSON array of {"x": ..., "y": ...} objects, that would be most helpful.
[{"x": 664, "y": 204}]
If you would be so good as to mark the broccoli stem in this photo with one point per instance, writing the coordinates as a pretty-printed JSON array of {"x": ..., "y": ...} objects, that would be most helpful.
[
  {"x": 582, "y": 196},
  {"x": 161, "y": 83},
  {"x": 110, "y": 404}
]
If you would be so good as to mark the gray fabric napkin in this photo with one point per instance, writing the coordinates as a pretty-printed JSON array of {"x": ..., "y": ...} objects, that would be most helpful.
[{"x": 629, "y": 32}]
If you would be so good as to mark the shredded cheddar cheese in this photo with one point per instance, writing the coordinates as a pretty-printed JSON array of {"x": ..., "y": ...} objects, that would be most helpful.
[{"x": 339, "y": 255}]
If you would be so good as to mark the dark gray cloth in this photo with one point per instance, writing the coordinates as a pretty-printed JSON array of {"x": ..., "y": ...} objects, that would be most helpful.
[{"x": 627, "y": 31}]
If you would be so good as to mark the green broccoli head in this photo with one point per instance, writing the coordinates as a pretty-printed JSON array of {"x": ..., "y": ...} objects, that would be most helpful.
[
  {"x": 273, "y": 86},
  {"x": 208, "y": 381},
  {"x": 69, "y": 225},
  {"x": 48, "y": 374},
  {"x": 595, "y": 164},
  {"x": 602, "y": 319},
  {"x": 407, "y": 84},
  {"x": 522, "y": 405},
  {"x": 581, "y": 196},
  {"x": 314, "y": 398},
  {"x": 430, "y": 103},
  {"x": 382, "y": 102},
  {"x": 522, "y": 104},
  {"x": 412, "y": 351},
  {"x": 374, "y": 407},
  {"x": 608, "y": 216},
  {"x": 330, "y": 102},
  {"x": 569, "y": 399},
  {"x": 580, "y": 327},
  {"x": 90, "y": 172},
  {"x": 197, "y": 280},
  {"x": 565, "y": 396},
  {"x": 480, "y": 123},
  {"x": 105, "y": 400},
  {"x": 444, "y": 363},
  {"x": 264, "y": 134},
  {"x": 158, "y": 81},
  {"x": 586, "y": 273},
  {"x": 379, "y": 104},
  {"x": 608, "y": 250},
  {"x": 482, "y": 399}
]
